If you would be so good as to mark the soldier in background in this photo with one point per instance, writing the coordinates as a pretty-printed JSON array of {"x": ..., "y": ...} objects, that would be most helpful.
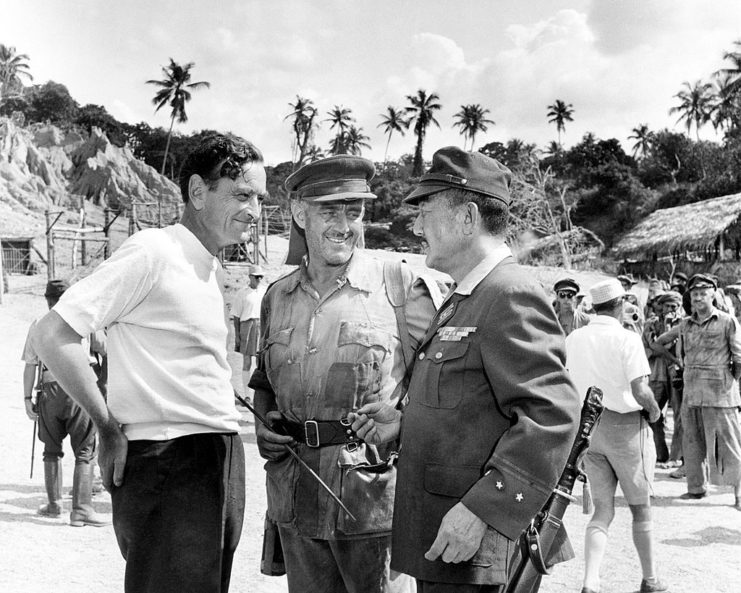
[{"x": 60, "y": 416}]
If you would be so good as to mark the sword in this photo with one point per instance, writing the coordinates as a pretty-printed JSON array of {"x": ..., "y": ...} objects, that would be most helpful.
[{"x": 296, "y": 456}]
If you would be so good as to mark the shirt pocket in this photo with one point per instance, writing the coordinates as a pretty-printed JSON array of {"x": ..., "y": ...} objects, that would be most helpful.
[
  {"x": 444, "y": 375},
  {"x": 355, "y": 377},
  {"x": 278, "y": 355}
]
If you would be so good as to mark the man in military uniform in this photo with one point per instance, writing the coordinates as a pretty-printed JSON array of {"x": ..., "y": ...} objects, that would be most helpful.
[
  {"x": 663, "y": 376},
  {"x": 710, "y": 352},
  {"x": 332, "y": 342},
  {"x": 60, "y": 416},
  {"x": 492, "y": 412}
]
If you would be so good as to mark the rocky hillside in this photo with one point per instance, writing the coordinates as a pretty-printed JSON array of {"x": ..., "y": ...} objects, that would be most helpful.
[{"x": 42, "y": 167}]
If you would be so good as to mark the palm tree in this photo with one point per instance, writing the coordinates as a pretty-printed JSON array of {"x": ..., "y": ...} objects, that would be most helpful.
[
  {"x": 553, "y": 148},
  {"x": 355, "y": 141},
  {"x": 726, "y": 103},
  {"x": 340, "y": 118},
  {"x": 471, "y": 120},
  {"x": 304, "y": 114},
  {"x": 422, "y": 113},
  {"x": 393, "y": 121},
  {"x": 643, "y": 137},
  {"x": 734, "y": 71},
  {"x": 12, "y": 66},
  {"x": 559, "y": 113},
  {"x": 695, "y": 105},
  {"x": 314, "y": 154},
  {"x": 175, "y": 90}
]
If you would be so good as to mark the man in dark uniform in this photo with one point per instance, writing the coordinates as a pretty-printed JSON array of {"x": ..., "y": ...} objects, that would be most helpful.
[
  {"x": 492, "y": 412},
  {"x": 58, "y": 416}
]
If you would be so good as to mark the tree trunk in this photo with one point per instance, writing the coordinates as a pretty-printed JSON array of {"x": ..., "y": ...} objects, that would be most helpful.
[
  {"x": 418, "y": 165},
  {"x": 162, "y": 171}
]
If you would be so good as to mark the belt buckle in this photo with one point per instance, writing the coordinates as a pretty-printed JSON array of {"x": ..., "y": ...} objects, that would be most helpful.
[{"x": 311, "y": 430}]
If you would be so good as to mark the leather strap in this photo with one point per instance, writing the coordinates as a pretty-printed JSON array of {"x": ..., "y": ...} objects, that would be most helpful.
[{"x": 322, "y": 433}]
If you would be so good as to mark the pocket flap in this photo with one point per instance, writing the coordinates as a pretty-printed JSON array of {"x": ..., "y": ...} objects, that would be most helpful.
[
  {"x": 446, "y": 351},
  {"x": 282, "y": 337},
  {"x": 364, "y": 334},
  {"x": 450, "y": 480}
]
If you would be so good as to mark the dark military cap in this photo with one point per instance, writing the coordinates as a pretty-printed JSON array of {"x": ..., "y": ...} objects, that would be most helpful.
[
  {"x": 680, "y": 276},
  {"x": 566, "y": 284},
  {"x": 454, "y": 168},
  {"x": 671, "y": 296},
  {"x": 56, "y": 288},
  {"x": 627, "y": 278},
  {"x": 341, "y": 177},
  {"x": 702, "y": 281}
]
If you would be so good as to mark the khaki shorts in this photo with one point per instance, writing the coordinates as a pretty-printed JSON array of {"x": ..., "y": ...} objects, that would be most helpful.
[
  {"x": 249, "y": 333},
  {"x": 622, "y": 452}
]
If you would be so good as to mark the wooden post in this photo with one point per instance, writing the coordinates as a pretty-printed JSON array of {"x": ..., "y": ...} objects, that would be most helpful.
[
  {"x": 107, "y": 232},
  {"x": 2, "y": 276},
  {"x": 132, "y": 219},
  {"x": 83, "y": 223},
  {"x": 49, "y": 247}
]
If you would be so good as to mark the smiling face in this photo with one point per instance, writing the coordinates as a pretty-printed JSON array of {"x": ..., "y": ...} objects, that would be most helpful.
[
  {"x": 229, "y": 206},
  {"x": 439, "y": 226},
  {"x": 332, "y": 229},
  {"x": 702, "y": 299}
]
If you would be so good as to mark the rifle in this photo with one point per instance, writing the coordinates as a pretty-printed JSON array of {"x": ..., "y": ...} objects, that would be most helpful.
[
  {"x": 37, "y": 388},
  {"x": 536, "y": 543}
]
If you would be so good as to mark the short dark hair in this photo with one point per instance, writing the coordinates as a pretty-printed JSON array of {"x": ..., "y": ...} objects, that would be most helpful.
[
  {"x": 217, "y": 156},
  {"x": 494, "y": 212},
  {"x": 608, "y": 306}
]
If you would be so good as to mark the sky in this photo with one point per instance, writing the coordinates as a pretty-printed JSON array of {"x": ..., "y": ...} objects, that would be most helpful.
[{"x": 619, "y": 63}]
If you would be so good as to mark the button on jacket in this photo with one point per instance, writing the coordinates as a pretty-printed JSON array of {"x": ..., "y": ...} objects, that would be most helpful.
[
  {"x": 322, "y": 358},
  {"x": 491, "y": 419}
]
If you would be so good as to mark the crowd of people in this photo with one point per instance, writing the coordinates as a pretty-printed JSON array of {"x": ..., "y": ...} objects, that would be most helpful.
[{"x": 397, "y": 422}]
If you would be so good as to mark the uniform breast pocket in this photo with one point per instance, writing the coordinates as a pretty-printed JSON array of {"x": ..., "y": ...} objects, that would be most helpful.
[
  {"x": 444, "y": 375},
  {"x": 354, "y": 378},
  {"x": 278, "y": 354}
]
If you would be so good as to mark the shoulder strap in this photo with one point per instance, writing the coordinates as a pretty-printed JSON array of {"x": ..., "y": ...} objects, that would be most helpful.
[{"x": 396, "y": 292}]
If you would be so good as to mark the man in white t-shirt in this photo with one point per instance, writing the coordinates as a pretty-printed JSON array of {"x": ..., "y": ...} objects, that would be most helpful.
[
  {"x": 246, "y": 318},
  {"x": 622, "y": 451},
  {"x": 170, "y": 452}
]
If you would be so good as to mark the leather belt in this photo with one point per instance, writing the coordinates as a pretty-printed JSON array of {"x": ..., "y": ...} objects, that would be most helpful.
[{"x": 322, "y": 433}]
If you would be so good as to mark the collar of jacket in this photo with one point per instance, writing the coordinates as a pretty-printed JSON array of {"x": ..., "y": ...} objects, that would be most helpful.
[
  {"x": 713, "y": 313},
  {"x": 357, "y": 274}
]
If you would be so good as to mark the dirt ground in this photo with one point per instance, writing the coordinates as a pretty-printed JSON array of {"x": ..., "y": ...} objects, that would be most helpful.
[{"x": 698, "y": 543}]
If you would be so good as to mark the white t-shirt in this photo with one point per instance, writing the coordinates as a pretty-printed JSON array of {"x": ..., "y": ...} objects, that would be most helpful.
[
  {"x": 247, "y": 302},
  {"x": 160, "y": 297},
  {"x": 608, "y": 356}
]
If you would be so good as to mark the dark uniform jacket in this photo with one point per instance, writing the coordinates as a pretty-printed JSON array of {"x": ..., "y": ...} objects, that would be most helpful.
[{"x": 491, "y": 419}]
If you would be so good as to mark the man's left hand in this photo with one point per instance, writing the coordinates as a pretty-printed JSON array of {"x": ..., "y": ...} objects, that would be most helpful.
[{"x": 459, "y": 536}]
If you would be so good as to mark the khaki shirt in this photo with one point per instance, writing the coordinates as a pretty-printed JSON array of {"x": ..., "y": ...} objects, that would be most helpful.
[{"x": 323, "y": 357}]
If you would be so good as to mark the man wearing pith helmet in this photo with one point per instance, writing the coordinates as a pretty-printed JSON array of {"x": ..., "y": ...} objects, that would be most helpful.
[
  {"x": 492, "y": 411},
  {"x": 338, "y": 332}
]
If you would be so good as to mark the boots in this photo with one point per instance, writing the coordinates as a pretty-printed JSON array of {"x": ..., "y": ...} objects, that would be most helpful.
[
  {"x": 82, "y": 495},
  {"x": 53, "y": 483}
]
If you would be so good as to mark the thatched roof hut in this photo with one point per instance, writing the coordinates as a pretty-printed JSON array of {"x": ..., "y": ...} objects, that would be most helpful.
[{"x": 710, "y": 226}]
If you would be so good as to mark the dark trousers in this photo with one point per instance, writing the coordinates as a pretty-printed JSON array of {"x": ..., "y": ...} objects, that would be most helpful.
[
  {"x": 662, "y": 395},
  {"x": 178, "y": 514},
  {"x": 60, "y": 416}
]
